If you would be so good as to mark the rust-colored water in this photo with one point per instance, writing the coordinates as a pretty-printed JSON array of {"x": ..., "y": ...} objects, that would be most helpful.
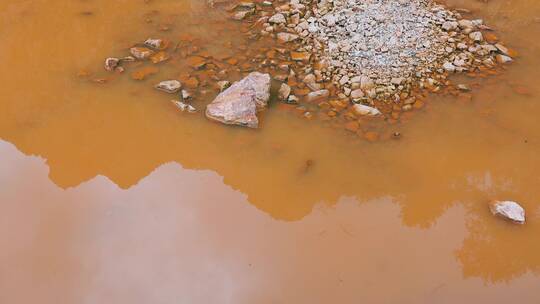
[{"x": 107, "y": 194}]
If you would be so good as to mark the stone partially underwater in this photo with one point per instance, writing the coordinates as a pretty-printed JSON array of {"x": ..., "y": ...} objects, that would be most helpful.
[
  {"x": 239, "y": 104},
  {"x": 509, "y": 210}
]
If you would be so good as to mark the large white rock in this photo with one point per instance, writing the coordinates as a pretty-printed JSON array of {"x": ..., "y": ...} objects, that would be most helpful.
[
  {"x": 509, "y": 210},
  {"x": 238, "y": 105}
]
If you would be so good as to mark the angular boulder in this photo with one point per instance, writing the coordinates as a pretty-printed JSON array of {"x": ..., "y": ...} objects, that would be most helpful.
[
  {"x": 239, "y": 104},
  {"x": 509, "y": 210}
]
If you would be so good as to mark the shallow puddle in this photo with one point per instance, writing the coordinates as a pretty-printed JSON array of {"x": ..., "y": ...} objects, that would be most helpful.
[{"x": 109, "y": 194}]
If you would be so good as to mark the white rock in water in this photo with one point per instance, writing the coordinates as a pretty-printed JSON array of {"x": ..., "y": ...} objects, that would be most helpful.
[
  {"x": 184, "y": 107},
  {"x": 361, "y": 109},
  {"x": 154, "y": 43},
  {"x": 238, "y": 105},
  {"x": 169, "y": 86},
  {"x": 503, "y": 58},
  {"x": 509, "y": 210}
]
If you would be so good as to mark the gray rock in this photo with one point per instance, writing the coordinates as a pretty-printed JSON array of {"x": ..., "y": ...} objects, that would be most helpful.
[{"x": 238, "y": 105}]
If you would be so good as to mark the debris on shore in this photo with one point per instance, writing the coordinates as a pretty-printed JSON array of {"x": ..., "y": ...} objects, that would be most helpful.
[{"x": 509, "y": 210}]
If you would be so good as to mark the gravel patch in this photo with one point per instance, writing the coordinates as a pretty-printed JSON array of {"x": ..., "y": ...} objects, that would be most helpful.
[{"x": 380, "y": 49}]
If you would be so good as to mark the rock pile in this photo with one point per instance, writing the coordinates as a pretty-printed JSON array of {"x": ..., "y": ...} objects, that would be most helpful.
[
  {"x": 355, "y": 64},
  {"x": 380, "y": 49}
]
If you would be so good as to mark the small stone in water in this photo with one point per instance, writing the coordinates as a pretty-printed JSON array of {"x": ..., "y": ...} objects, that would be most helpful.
[
  {"x": 366, "y": 110},
  {"x": 223, "y": 85},
  {"x": 141, "y": 53},
  {"x": 184, "y": 107},
  {"x": 509, "y": 210},
  {"x": 111, "y": 63},
  {"x": 503, "y": 58},
  {"x": 169, "y": 86},
  {"x": 158, "y": 44},
  {"x": 463, "y": 87}
]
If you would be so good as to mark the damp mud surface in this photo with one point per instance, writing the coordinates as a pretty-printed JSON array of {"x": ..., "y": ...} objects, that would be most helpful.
[{"x": 109, "y": 194}]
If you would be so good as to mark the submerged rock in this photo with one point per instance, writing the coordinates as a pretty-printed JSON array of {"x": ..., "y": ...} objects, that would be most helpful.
[
  {"x": 509, "y": 210},
  {"x": 238, "y": 105}
]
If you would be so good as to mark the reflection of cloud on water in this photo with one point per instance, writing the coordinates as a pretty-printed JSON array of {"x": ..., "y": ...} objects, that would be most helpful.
[{"x": 169, "y": 239}]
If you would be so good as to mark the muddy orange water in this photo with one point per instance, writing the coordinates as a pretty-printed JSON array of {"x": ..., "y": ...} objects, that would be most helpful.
[{"x": 110, "y": 195}]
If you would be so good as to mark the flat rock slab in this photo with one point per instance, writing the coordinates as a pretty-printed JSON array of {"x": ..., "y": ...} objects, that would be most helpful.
[{"x": 239, "y": 104}]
